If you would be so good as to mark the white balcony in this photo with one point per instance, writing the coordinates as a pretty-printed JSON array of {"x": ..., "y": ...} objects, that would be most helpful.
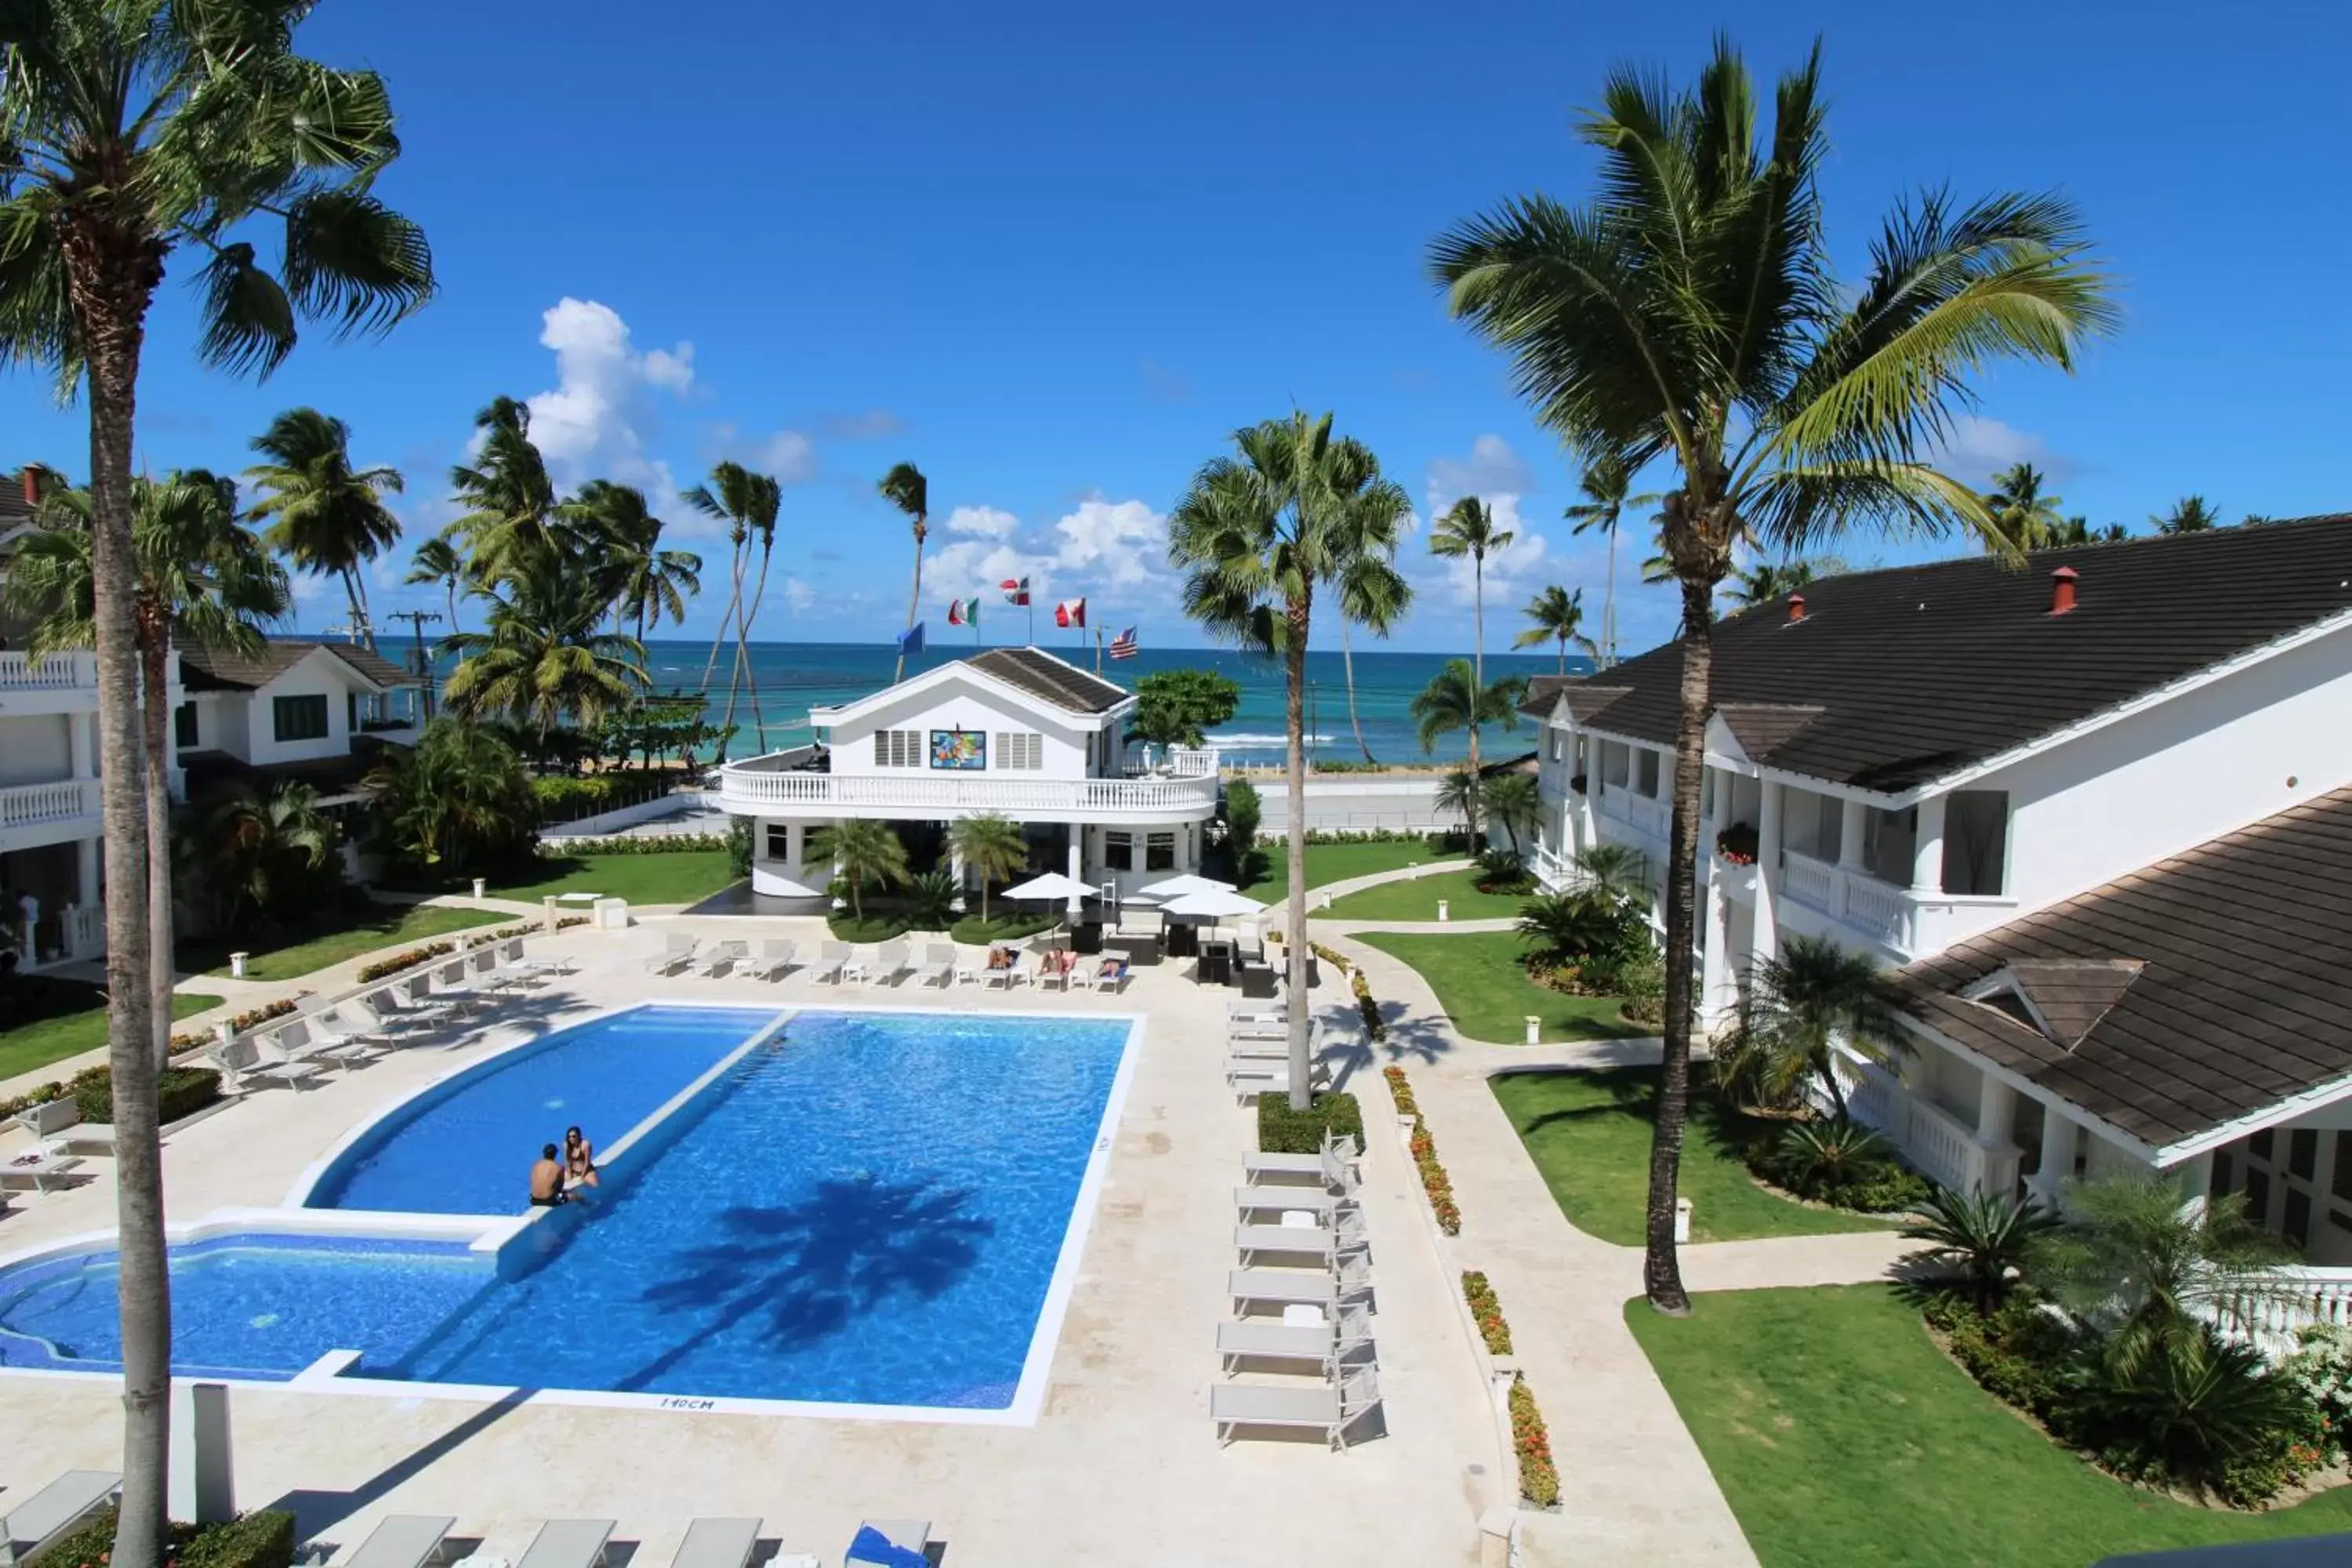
[
  {"x": 750, "y": 789},
  {"x": 1643, "y": 814},
  {"x": 1912, "y": 921},
  {"x": 61, "y": 683},
  {"x": 68, "y": 802}
]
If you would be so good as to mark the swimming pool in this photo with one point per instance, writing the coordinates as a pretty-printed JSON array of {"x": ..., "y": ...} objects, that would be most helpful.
[{"x": 871, "y": 1209}]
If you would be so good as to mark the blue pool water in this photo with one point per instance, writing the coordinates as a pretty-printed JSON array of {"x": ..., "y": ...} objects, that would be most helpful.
[
  {"x": 466, "y": 1146},
  {"x": 866, "y": 1209}
]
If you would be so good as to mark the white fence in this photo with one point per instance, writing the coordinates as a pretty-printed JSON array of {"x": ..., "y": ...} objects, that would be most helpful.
[
  {"x": 28, "y": 805},
  {"x": 59, "y": 672}
]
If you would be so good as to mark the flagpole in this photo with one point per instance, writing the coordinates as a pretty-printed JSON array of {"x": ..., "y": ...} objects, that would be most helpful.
[{"x": 1098, "y": 639}]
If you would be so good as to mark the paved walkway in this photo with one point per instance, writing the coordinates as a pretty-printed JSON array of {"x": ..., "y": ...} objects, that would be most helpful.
[{"x": 1634, "y": 1487}]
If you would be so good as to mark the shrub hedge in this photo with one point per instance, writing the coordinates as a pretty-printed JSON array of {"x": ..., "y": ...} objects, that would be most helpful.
[
  {"x": 179, "y": 1091},
  {"x": 240, "y": 1022},
  {"x": 260, "y": 1540},
  {"x": 973, "y": 931},
  {"x": 400, "y": 961},
  {"x": 660, "y": 843},
  {"x": 1434, "y": 1179},
  {"x": 1539, "y": 1476},
  {"x": 1376, "y": 1027},
  {"x": 1488, "y": 1311},
  {"x": 1281, "y": 1131}
]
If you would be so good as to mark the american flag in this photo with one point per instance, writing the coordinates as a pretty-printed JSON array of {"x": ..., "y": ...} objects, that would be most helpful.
[{"x": 1123, "y": 645}]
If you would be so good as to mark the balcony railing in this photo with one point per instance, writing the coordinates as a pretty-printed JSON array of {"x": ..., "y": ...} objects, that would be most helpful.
[
  {"x": 59, "y": 672},
  {"x": 748, "y": 789},
  {"x": 1939, "y": 1144},
  {"x": 2285, "y": 1302},
  {"x": 1853, "y": 896},
  {"x": 26, "y": 805},
  {"x": 1636, "y": 811}
]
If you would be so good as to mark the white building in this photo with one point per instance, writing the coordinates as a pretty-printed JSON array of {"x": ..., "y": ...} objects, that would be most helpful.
[
  {"x": 294, "y": 708},
  {"x": 1967, "y": 769},
  {"x": 1014, "y": 732}
]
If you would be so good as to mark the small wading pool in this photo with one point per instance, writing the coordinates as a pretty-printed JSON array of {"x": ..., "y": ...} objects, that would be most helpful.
[{"x": 867, "y": 1208}]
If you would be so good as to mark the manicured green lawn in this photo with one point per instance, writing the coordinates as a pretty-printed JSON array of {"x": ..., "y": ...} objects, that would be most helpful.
[
  {"x": 1841, "y": 1434},
  {"x": 1269, "y": 875},
  {"x": 1485, "y": 989},
  {"x": 1588, "y": 1133},
  {"x": 332, "y": 936},
  {"x": 1417, "y": 900},
  {"x": 78, "y": 1024},
  {"x": 685, "y": 877}
]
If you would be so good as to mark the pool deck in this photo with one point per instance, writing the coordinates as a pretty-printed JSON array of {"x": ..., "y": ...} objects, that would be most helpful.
[{"x": 1122, "y": 1464}]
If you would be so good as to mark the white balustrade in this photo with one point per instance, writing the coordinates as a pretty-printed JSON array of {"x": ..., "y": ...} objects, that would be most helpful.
[
  {"x": 1879, "y": 908},
  {"x": 59, "y": 672},
  {"x": 26, "y": 805},
  {"x": 2284, "y": 1303},
  {"x": 748, "y": 789},
  {"x": 1808, "y": 881},
  {"x": 1940, "y": 1145},
  {"x": 85, "y": 932}
]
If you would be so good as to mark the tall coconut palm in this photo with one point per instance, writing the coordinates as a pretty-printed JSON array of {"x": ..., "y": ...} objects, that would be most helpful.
[
  {"x": 905, "y": 487},
  {"x": 1606, "y": 484},
  {"x": 645, "y": 581},
  {"x": 2024, "y": 516},
  {"x": 991, "y": 848},
  {"x": 1256, "y": 536},
  {"x": 1514, "y": 803},
  {"x": 1371, "y": 516},
  {"x": 864, "y": 854},
  {"x": 1453, "y": 699},
  {"x": 510, "y": 524},
  {"x": 138, "y": 134},
  {"x": 1468, "y": 528},
  {"x": 437, "y": 560},
  {"x": 747, "y": 504},
  {"x": 1770, "y": 580},
  {"x": 325, "y": 516},
  {"x": 1690, "y": 313},
  {"x": 1557, "y": 615},
  {"x": 2189, "y": 514},
  {"x": 543, "y": 659}
]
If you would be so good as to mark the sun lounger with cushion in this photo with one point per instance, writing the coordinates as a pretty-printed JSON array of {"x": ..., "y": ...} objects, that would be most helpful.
[
  {"x": 402, "y": 1540},
  {"x": 569, "y": 1543},
  {"x": 938, "y": 967},
  {"x": 719, "y": 956},
  {"x": 1109, "y": 974},
  {"x": 830, "y": 956},
  {"x": 718, "y": 1543},
  {"x": 1260, "y": 1339},
  {"x": 890, "y": 1543},
  {"x": 1003, "y": 968},
  {"x": 1330, "y": 1409},
  {"x": 677, "y": 951},
  {"x": 1281, "y": 1200},
  {"x": 1334, "y": 1156},
  {"x": 1298, "y": 1241},
  {"x": 775, "y": 957},
  {"x": 890, "y": 962},
  {"x": 1282, "y": 1288},
  {"x": 35, "y": 1521},
  {"x": 299, "y": 1041},
  {"x": 241, "y": 1061}
]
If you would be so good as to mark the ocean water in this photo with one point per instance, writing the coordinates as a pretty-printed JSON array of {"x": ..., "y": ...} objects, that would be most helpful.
[{"x": 792, "y": 678}]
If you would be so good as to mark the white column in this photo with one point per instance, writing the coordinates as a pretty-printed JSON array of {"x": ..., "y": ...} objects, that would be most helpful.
[
  {"x": 2196, "y": 1179},
  {"x": 1927, "y": 848},
  {"x": 1850, "y": 833},
  {"x": 1996, "y": 1138},
  {"x": 2058, "y": 1137},
  {"x": 1077, "y": 840},
  {"x": 1718, "y": 984},
  {"x": 86, "y": 872},
  {"x": 81, "y": 738},
  {"x": 1768, "y": 870}
]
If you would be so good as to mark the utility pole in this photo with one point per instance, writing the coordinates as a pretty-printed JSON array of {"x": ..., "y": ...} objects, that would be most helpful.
[{"x": 416, "y": 620}]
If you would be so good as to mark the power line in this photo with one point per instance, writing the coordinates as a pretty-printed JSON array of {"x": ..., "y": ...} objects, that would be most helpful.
[{"x": 416, "y": 620}]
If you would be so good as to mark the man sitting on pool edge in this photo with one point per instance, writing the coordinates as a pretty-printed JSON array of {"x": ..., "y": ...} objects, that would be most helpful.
[{"x": 547, "y": 1179}]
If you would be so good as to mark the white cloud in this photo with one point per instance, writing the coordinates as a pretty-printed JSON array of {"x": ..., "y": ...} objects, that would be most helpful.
[
  {"x": 1978, "y": 448},
  {"x": 873, "y": 425},
  {"x": 985, "y": 521},
  {"x": 798, "y": 596},
  {"x": 1525, "y": 561},
  {"x": 1492, "y": 469},
  {"x": 594, "y": 422},
  {"x": 1118, "y": 543},
  {"x": 1100, "y": 548}
]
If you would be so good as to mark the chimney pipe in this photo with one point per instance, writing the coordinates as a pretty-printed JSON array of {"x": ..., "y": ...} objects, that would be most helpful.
[
  {"x": 2061, "y": 590},
  {"x": 32, "y": 478},
  {"x": 1796, "y": 607}
]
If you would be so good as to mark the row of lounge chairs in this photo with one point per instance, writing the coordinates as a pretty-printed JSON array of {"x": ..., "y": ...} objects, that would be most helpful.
[
  {"x": 941, "y": 963},
  {"x": 1257, "y": 1050},
  {"x": 1302, "y": 1299}
]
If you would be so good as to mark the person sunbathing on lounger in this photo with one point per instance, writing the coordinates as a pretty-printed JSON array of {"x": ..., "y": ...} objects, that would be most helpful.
[{"x": 546, "y": 1179}]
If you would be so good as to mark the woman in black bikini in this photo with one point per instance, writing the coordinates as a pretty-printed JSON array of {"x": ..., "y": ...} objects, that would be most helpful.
[{"x": 579, "y": 1159}]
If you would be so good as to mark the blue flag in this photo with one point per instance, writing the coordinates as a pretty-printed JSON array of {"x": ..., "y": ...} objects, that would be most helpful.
[{"x": 911, "y": 639}]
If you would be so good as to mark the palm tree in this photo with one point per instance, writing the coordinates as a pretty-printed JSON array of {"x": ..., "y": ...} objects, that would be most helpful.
[
  {"x": 2023, "y": 517},
  {"x": 1460, "y": 792},
  {"x": 1799, "y": 1006},
  {"x": 330, "y": 519},
  {"x": 1256, "y": 534},
  {"x": 1453, "y": 699},
  {"x": 1690, "y": 313},
  {"x": 1514, "y": 803},
  {"x": 1563, "y": 926},
  {"x": 905, "y": 487},
  {"x": 253, "y": 855},
  {"x": 1605, "y": 483},
  {"x": 647, "y": 581},
  {"x": 543, "y": 659},
  {"x": 991, "y": 848},
  {"x": 863, "y": 852},
  {"x": 2078, "y": 531},
  {"x": 747, "y": 504},
  {"x": 458, "y": 799},
  {"x": 202, "y": 581},
  {"x": 1371, "y": 514},
  {"x": 1617, "y": 871},
  {"x": 437, "y": 560},
  {"x": 1468, "y": 528},
  {"x": 2189, "y": 514},
  {"x": 1557, "y": 616},
  {"x": 1770, "y": 580},
  {"x": 509, "y": 522},
  {"x": 135, "y": 133},
  {"x": 1985, "y": 1238}
]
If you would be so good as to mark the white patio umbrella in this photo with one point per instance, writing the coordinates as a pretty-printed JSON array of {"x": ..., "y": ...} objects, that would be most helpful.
[
  {"x": 1175, "y": 887},
  {"x": 1050, "y": 885},
  {"x": 1216, "y": 905}
]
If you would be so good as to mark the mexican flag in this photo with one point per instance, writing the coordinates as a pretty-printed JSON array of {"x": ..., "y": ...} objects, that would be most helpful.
[{"x": 963, "y": 611}]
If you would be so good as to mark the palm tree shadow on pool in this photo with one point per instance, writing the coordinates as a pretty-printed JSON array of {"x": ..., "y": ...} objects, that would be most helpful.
[{"x": 813, "y": 1267}]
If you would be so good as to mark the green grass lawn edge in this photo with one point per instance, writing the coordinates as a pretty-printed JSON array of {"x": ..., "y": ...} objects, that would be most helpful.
[
  {"x": 1482, "y": 984},
  {"x": 1417, "y": 899},
  {"x": 32, "y": 1046}
]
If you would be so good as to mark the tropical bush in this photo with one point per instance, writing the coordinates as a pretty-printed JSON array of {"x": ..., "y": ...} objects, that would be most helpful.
[
  {"x": 1503, "y": 872},
  {"x": 930, "y": 902},
  {"x": 260, "y": 1540},
  {"x": 1175, "y": 707},
  {"x": 1281, "y": 1131},
  {"x": 1738, "y": 844},
  {"x": 244, "y": 862},
  {"x": 864, "y": 854},
  {"x": 2020, "y": 1352},
  {"x": 2322, "y": 1367},
  {"x": 567, "y": 799},
  {"x": 1642, "y": 985},
  {"x": 1799, "y": 1009},
  {"x": 1244, "y": 811},
  {"x": 2197, "y": 1410},
  {"x": 457, "y": 800},
  {"x": 739, "y": 847},
  {"x": 1983, "y": 1240},
  {"x": 1839, "y": 1160}
]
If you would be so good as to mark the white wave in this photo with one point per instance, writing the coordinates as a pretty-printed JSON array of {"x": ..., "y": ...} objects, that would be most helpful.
[{"x": 1245, "y": 741}]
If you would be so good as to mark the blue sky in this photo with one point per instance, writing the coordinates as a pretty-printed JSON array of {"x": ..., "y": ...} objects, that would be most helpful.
[{"x": 1054, "y": 254}]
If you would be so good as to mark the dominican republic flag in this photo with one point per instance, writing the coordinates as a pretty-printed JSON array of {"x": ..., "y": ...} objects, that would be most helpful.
[
  {"x": 1016, "y": 590},
  {"x": 1070, "y": 613},
  {"x": 963, "y": 611},
  {"x": 911, "y": 639},
  {"x": 1123, "y": 645}
]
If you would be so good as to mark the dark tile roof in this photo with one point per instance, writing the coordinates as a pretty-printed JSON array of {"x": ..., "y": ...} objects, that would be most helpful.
[
  {"x": 1040, "y": 674},
  {"x": 1543, "y": 691},
  {"x": 1762, "y": 728},
  {"x": 1922, "y": 670},
  {"x": 2241, "y": 996},
  {"x": 215, "y": 669}
]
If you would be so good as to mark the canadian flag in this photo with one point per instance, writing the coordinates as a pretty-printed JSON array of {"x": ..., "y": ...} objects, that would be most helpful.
[{"x": 1070, "y": 613}]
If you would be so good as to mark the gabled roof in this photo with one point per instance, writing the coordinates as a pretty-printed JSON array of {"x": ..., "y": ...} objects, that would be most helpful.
[
  {"x": 1921, "y": 671},
  {"x": 1762, "y": 728},
  {"x": 1040, "y": 674},
  {"x": 2196, "y": 992},
  {"x": 216, "y": 670}
]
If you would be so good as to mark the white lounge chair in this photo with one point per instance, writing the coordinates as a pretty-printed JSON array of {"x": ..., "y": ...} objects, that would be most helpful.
[
  {"x": 35, "y": 1521},
  {"x": 718, "y": 1542},
  {"x": 1323, "y": 1343},
  {"x": 345, "y": 1023},
  {"x": 241, "y": 1062},
  {"x": 451, "y": 987},
  {"x": 1282, "y": 1288},
  {"x": 938, "y": 967},
  {"x": 296, "y": 1042},
  {"x": 382, "y": 1011},
  {"x": 38, "y": 1170},
  {"x": 1300, "y": 1241},
  {"x": 58, "y": 1125},
  {"x": 888, "y": 964},
  {"x": 775, "y": 957},
  {"x": 859, "y": 965},
  {"x": 1110, "y": 973},
  {"x": 1323, "y": 1204},
  {"x": 831, "y": 959},
  {"x": 1256, "y": 1013},
  {"x": 1330, "y": 1408},
  {"x": 725, "y": 955},
  {"x": 417, "y": 1002},
  {"x": 1008, "y": 973},
  {"x": 1251, "y": 1076},
  {"x": 1342, "y": 1152},
  {"x": 971, "y": 963},
  {"x": 1267, "y": 1050},
  {"x": 402, "y": 1540},
  {"x": 677, "y": 951},
  {"x": 569, "y": 1543},
  {"x": 889, "y": 1542},
  {"x": 513, "y": 956},
  {"x": 1052, "y": 964}
]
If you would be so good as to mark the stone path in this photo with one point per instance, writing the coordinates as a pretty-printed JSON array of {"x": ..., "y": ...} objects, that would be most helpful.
[{"x": 1634, "y": 1487}]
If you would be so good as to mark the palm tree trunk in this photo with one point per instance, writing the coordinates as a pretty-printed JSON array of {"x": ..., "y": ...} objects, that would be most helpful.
[
  {"x": 112, "y": 279},
  {"x": 1347, "y": 662},
  {"x": 914, "y": 602},
  {"x": 1563, "y": 655},
  {"x": 156, "y": 657},
  {"x": 362, "y": 629},
  {"x": 735, "y": 671},
  {"x": 710, "y": 664},
  {"x": 1295, "y": 796},
  {"x": 1662, "y": 1276},
  {"x": 1477, "y": 627},
  {"x": 1609, "y": 604},
  {"x": 743, "y": 646},
  {"x": 1830, "y": 1079}
]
